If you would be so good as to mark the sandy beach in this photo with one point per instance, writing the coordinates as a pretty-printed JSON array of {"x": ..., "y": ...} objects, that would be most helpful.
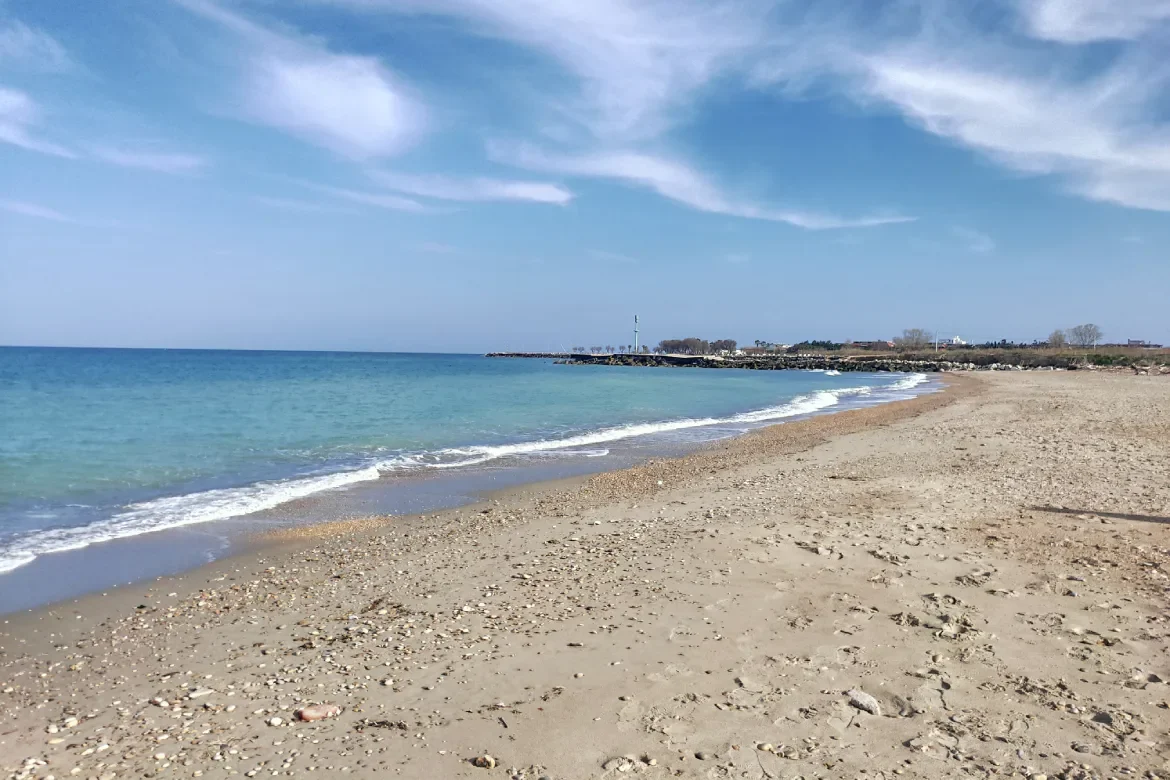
[{"x": 968, "y": 584}]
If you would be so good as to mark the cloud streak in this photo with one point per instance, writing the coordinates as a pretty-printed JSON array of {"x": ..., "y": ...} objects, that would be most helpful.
[
  {"x": 671, "y": 179},
  {"x": 175, "y": 163},
  {"x": 34, "y": 210},
  {"x": 1096, "y": 125},
  {"x": 473, "y": 189},
  {"x": 1085, "y": 21},
  {"x": 376, "y": 199},
  {"x": 27, "y": 48},
  {"x": 19, "y": 116},
  {"x": 638, "y": 65},
  {"x": 299, "y": 206}
]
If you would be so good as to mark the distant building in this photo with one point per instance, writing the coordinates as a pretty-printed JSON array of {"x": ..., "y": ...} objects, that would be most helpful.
[
  {"x": 958, "y": 342},
  {"x": 880, "y": 345},
  {"x": 1142, "y": 344}
]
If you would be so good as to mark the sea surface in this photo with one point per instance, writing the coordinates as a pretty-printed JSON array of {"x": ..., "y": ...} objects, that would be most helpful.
[{"x": 103, "y": 445}]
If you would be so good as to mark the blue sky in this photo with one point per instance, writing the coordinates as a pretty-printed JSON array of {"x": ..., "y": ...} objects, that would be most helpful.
[{"x": 461, "y": 175}]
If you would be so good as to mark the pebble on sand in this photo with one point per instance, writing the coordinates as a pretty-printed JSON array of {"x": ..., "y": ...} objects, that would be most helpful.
[
  {"x": 485, "y": 762},
  {"x": 318, "y": 712},
  {"x": 863, "y": 701}
]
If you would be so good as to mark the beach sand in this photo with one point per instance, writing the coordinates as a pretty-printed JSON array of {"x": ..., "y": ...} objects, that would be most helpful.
[{"x": 969, "y": 584}]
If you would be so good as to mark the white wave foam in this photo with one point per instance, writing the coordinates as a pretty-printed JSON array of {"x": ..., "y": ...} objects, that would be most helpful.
[
  {"x": 176, "y": 512},
  {"x": 472, "y": 456},
  {"x": 211, "y": 505}
]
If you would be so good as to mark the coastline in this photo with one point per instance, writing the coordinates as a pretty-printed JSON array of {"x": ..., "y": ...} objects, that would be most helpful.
[
  {"x": 622, "y": 571},
  {"x": 125, "y": 551}
]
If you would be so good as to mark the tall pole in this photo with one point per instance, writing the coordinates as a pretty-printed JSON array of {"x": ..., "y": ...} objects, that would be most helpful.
[{"x": 635, "y": 334}]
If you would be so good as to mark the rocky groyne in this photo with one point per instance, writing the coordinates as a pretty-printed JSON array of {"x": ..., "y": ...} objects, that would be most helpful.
[{"x": 785, "y": 362}]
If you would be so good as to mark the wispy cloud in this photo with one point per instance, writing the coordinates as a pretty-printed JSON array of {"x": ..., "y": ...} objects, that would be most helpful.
[
  {"x": 611, "y": 257},
  {"x": 34, "y": 210},
  {"x": 301, "y": 206},
  {"x": 638, "y": 65},
  {"x": 1083, "y": 21},
  {"x": 19, "y": 117},
  {"x": 349, "y": 104},
  {"x": 671, "y": 179},
  {"x": 19, "y": 125},
  {"x": 1091, "y": 133},
  {"x": 638, "y": 69},
  {"x": 473, "y": 189},
  {"x": 435, "y": 248},
  {"x": 975, "y": 241},
  {"x": 1096, "y": 124},
  {"x": 161, "y": 162},
  {"x": 376, "y": 199},
  {"x": 27, "y": 48}
]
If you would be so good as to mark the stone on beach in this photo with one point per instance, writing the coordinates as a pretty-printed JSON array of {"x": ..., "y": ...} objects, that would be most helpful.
[
  {"x": 318, "y": 712},
  {"x": 863, "y": 701}
]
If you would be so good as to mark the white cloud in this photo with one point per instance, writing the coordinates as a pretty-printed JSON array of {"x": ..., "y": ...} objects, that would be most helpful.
[
  {"x": 638, "y": 64},
  {"x": 302, "y": 206},
  {"x": 376, "y": 199},
  {"x": 1096, "y": 124},
  {"x": 162, "y": 162},
  {"x": 19, "y": 116},
  {"x": 975, "y": 241},
  {"x": 473, "y": 189},
  {"x": 33, "y": 210},
  {"x": 638, "y": 68},
  {"x": 1098, "y": 134},
  {"x": 349, "y": 104},
  {"x": 24, "y": 47},
  {"x": 670, "y": 179},
  {"x": 1083, "y": 21}
]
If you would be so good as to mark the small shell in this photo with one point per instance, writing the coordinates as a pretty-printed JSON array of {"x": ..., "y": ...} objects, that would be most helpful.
[{"x": 318, "y": 712}]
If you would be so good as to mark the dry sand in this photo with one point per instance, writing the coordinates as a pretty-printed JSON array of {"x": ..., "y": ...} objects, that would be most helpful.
[{"x": 972, "y": 584}]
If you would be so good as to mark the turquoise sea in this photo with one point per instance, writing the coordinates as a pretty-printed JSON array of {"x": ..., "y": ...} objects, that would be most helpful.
[{"x": 99, "y": 445}]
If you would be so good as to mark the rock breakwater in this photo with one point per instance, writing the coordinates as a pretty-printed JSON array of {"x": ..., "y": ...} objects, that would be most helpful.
[{"x": 786, "y": 362}]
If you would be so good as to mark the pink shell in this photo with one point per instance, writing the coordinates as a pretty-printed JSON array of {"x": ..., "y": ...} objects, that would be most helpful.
[{"x": 318, "y": 712}]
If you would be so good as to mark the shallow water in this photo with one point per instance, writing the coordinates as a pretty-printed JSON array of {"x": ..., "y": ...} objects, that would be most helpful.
[{"x": 194, "y": 447}]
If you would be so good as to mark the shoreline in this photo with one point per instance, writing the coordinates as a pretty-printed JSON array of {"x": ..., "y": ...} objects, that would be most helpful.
[
  {"x": 801, "y": 429},
  {"x": 133, "y": 558},
  {"x": 710, "y": 613}
]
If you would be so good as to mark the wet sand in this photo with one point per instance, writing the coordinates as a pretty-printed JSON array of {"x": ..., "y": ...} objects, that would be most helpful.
[{"x": 972, "y": 583}]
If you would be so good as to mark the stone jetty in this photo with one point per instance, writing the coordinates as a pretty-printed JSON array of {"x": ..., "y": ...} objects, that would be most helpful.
[{"x": 764, "y": 362}]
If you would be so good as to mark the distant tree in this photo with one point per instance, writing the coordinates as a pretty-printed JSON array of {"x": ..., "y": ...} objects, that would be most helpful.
[
  {"x": 1057, "y": 339},
  {"x": 1087, "y": 335},
  {"x": 813, "y": 346},
  {"x": 914, "y": 338},
  {"x": 723, "y": 345},
  {"x": 645, "y": 350}
]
